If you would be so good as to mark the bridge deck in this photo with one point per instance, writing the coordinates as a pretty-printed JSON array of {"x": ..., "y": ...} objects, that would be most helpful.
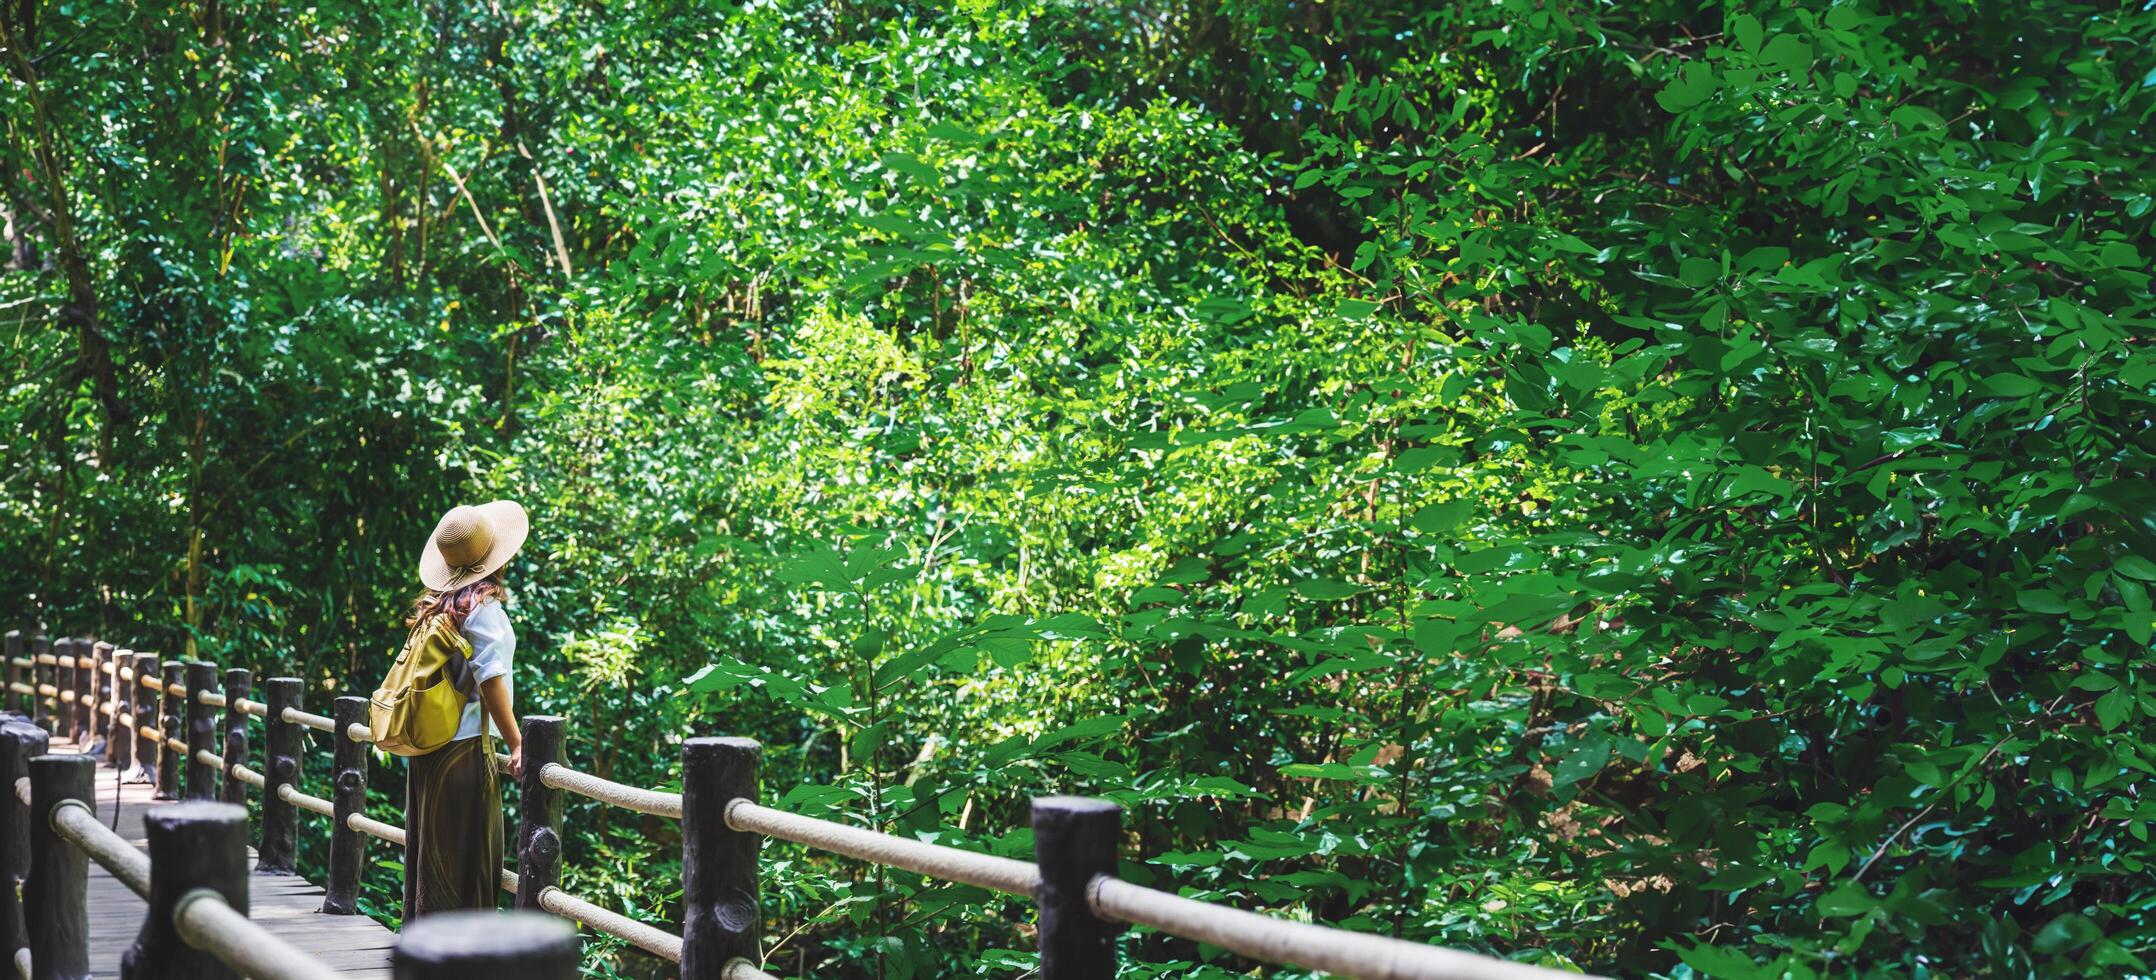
[{"x": 288, "y": 905}]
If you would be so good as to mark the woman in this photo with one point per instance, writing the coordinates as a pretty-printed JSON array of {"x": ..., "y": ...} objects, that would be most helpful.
[{"x": 453, "y": 800}]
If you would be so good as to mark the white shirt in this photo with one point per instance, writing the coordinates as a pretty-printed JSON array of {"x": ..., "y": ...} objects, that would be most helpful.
[{"x": 494, "y": 647}]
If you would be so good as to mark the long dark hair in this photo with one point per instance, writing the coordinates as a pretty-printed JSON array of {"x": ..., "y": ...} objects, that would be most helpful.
[{"x": 457, "y": 603}]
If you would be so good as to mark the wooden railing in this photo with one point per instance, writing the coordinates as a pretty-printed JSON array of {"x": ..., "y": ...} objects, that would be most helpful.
[
  {"x": 93, "y": 690},
  {"x": 194, "y": 881}
]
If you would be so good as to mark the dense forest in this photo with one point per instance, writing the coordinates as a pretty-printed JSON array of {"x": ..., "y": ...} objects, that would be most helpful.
[{"x": 1656, "y": 488}]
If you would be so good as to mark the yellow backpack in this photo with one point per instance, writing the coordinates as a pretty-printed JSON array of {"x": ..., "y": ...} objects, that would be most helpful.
[{"x": 420, "y": 704}]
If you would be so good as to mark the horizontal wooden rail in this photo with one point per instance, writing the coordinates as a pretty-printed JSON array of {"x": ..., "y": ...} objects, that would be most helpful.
[
  {"x": 1274, "y": 940},
  {"x": 73, "y": 821},
  {"x": 312, "y": 804},
  {"x": 658, "y": 804},
  {"x": 206, "y": 922},
  {"x": 1012, "y": 877},
  {"x": 651, "y": 939},
  {"x": 376, "y": 828},
  {"x": 309, "y": 719}
]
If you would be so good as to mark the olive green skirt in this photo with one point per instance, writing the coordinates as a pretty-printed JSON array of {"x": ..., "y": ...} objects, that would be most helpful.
[{"x": 453, "y": 829}]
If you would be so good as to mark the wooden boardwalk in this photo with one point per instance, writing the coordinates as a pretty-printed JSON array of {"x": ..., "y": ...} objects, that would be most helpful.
[{"x": 288, "y": 905}]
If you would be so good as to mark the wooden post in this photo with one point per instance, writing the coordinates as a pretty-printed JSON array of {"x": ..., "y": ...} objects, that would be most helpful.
[
  {"x": 120, "y": 752},
  {"x": 40, "y": 645},
  {"x": 71, "y": 682},
  {"x": 63, "y": 681},
  {"x": 1074, "y": 841},
  {"x": 721, "y": 916},
  {"x": 15, "y": 700},
  {"x": 79, "y": 678},
  {"x": 239, "y": 682},
  {"x": 278, "y": 852},
  {"x": 538, "y": 812},
  {"x": 147, "y": 676},
  {"x": 101, "y": 685},
  {"x": 171, "y": 723},
  {"x": 486, "y": 946},
  {"x": 201, "y": 731},
  {"x": 55, "y": 899},
  {"x": 347, "y": 847},
  {"x": 119, "y": 746},
  {"x": 20, "y": 741},
  {"x": 193, "y": 845}
]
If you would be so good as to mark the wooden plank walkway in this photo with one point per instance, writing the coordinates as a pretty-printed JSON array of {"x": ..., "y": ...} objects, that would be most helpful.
[{"x": 288, "y": 905}]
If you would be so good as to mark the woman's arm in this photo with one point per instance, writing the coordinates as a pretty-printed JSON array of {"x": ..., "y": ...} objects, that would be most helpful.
[{"x": 500, "y": 702}]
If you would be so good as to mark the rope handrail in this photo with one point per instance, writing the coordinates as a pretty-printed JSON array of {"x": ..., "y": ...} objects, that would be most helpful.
[
  {"x": 214, "y": 699},
  {"x": 207, "y": 757},
  {"x": 176, "y": 689},
  {"x": 249, "y": 776},
  {"x": 126, "y": 674},
  {"x": 160, "y": 737},
  {"x": 255, "y": 708},
  {"x": 22, "y": 789},
  {"x": 1305, "y": 944},
  {"x": 74, "y": 823},
  {"x": 22, "y": 688},
  {"x": 85, "y": 663},
  {"x": 741, "y": 969},
  {"x": 311, "y": 720},
  {"x": 22, "y": 963},
  {"x": 358, "y": 732},
  {"x": 205, "y": 922},
  {"x": 376, "y": 828},
  {"x": 1007, "y": 875},
  {"x": 108, "y": 667},
  {"x": 646, "y": 937},
  {"x": 46, "y": 660},
  {"x": 22, "y": 661},
  {"x": 654, "y": 802},
  {"x": 312, "y": 804}
]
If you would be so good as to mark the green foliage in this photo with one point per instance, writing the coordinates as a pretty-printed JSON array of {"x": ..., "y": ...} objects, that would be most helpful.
[{"x": 1655, "y": 487}]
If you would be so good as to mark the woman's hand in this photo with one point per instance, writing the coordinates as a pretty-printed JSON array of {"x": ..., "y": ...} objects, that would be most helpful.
[{"x": 516, "y": 761}]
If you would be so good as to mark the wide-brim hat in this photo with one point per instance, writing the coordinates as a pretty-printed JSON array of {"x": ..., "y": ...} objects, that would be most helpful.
[{"x": 472, "y": 543}]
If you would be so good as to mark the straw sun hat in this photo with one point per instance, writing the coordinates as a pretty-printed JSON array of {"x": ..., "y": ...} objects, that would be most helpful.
[{"x": 471, "y": 543}]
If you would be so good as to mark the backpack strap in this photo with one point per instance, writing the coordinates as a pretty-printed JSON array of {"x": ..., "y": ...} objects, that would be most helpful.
[{"x": 460, "y": 669}]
